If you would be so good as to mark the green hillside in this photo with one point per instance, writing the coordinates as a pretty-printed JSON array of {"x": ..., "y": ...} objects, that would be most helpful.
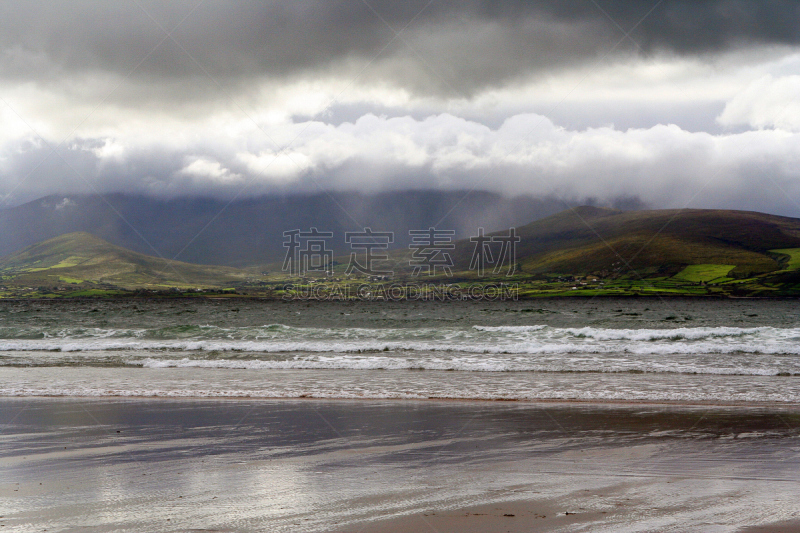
[
  {"x": 583, "y": 251},
  {"x": 609, "y": 243},
  {"x": 589, "y": 251},
  {"x": 80, "y": 260},
  {"x": 791, "y": 257}
]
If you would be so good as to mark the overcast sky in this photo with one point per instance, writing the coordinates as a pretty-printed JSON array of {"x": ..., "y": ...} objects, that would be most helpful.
[{"x": 679, "y": 102}]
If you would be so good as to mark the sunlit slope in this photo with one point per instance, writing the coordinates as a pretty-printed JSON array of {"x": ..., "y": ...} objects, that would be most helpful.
[
  {"x": 79, "y": 257},
  {"x": 605, "y": 242},
  {"x": 688, "y": 246}
]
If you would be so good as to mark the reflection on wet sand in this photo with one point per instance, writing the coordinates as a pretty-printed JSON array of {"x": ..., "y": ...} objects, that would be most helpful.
[{"x": 147, "y": 465}]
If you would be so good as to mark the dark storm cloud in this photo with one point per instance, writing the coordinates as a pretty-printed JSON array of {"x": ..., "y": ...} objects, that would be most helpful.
[
  {"x": 450, "y": 47},
  {"x": 126, "y": 109}
]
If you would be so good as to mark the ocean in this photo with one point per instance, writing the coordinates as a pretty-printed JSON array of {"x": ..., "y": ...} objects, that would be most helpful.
[
  {"x": 682, "y": 350},
  {"x": 631, "y": 415}
]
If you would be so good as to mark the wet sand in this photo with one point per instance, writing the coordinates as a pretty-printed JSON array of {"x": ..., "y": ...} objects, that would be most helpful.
[{"x": 379, "y": 466}]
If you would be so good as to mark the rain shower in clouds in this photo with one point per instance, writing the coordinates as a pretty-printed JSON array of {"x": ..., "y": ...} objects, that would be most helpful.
[{"x": 696, "y": 105}]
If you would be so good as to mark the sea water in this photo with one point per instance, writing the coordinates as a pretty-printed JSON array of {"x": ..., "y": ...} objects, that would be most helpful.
[{"x": 574, "y": 349}]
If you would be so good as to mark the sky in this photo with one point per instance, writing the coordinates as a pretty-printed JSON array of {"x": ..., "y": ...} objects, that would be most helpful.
[{"x": 680, "y": 103}]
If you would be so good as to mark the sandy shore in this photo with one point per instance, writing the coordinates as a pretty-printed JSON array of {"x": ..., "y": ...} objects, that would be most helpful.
[
  {"x": 378, "y": 466},
  {"x": 540, "y": 516},
  {"x": 791, "y": 526}
]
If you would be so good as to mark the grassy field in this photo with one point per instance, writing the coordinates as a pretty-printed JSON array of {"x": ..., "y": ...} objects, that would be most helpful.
[
  {"x": 704, "y": 273},
  {"x": 611, "y": 244},
  {"x": 794, "y": 257},
  {"x": 73, "y": 281},
  {"x": 79, "y": 258}
]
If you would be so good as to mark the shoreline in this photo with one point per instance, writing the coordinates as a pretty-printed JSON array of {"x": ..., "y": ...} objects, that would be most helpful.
[
  {"x": 330, "y": 466},
  {"x": 528, "y": 516},
  {"x": 240, "y": 297},
  {"x": 789, "y": 406}
]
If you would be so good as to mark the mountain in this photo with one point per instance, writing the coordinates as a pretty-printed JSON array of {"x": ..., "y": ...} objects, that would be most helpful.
[
  {"x": 250, "y": 231},
  {"x": 675, "y": 251},
  {"x": 609, "y": 243},
  {"x": 77, "y": 258}
]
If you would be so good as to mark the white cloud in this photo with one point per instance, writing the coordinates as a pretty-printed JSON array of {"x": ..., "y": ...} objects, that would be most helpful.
[
  {"x": 110, "y": 150},
  {"x": 64, "y": 204},
  {"x": 213, "y": 171},
  {"x": 262, "y": 139},
  {"x": 528, "y": 153},
  {"x": 766, "y": 102},
  {"x": 275, "y": 167}
]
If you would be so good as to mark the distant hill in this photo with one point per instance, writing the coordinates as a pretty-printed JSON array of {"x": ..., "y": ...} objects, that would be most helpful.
[
  {"x": 658, "y": 252},
  {"x": 608, "y": 242},
  {"x": 76, "y": 258},
  {"x": 248, "y": 232}
]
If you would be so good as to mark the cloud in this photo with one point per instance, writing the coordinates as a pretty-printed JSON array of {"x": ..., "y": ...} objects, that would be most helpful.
[
  {"x": 206, "y": 169},
  {"x": 664, "y": 165},
  {"x": 767, "y": 102},
  {"x": 451, "y": 48},
  {"x": 64, "y": 204},
  {"x": 280, "y": 167},
  {"x": 546, "y": 97}
]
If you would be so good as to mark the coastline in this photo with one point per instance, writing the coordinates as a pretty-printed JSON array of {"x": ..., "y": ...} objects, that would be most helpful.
[
  {"x": 378, "y": 384},
  {"x": 236, "y": 416},
  {"x": 788, "y": 406},
  {"x": 528, "y": 298},
  {"x": 534, "y": 516},
  {"x": 343, "y": 466}
]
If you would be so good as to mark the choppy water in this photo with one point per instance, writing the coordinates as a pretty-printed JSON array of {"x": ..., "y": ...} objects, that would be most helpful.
[{"x": 686, "y": 350}]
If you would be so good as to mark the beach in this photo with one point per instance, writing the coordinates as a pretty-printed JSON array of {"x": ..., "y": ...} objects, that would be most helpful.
[
  {"x": 613, "y": 415},
  {"x": 400, "y": 266},
  {"x": 72, "y": 464}
]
